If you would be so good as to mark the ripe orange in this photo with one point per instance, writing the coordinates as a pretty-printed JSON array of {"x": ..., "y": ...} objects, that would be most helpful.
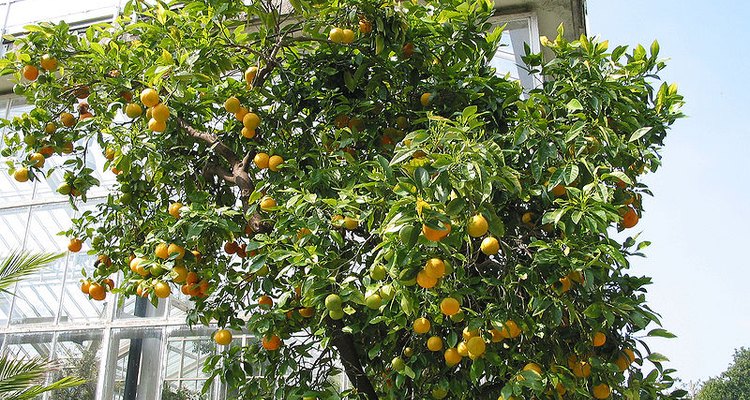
[
  {"x": 109, "y": 153},
  {"x": 490, "y": 246},
  {"x": 365, "y": 26},
  {"x": 30, "y": 72},
  {"x": 97, "y": 291},
  {"x": 265, "y": 302},
  {"x": 559, "y": 191},
  {"x": 452, "y": 357},
  {"x": 425, "y": 99},
  {"x": 174, "y": 210},
  {"x": 467, "y": 334},
  {"x": 240, "y": 114},
  {"x": 271, "y": 343},
  {"x": 434, "y": 268},
  {"x": 436, "y": 235},
  {"x": 21, "y": 174},
  {"x": 274, "y": 162},
  {"x": 533, "y": 367},
  {"x": 261, "y": 160},
  {"x": 37, "y": 159},
  {"x": 162, "y": 290},
  {"x": 109, "y": 282},
  {"x": 421, "y": 325},
  {"x": 449, "y": 306},
  {"x": 192, "y": 278},
  {"x": 160, "y": 112},
  {"x": 306, "y": 312},
  {"x": 347, "y": 36},
  {"x": 599, "y": 339},
  {"x": 510, "y": 329},
  {"x": 85, "y": 287},
  {"x": 232, "y": 105},
  {"x": 75, "y": 245},
  {"x": 341, "y": 121},
  {"x": 477, "y": 226},
  {"x": 174, "y": 248},
  {"x": 267, "y": 203},
  {"x": 407, "y": 50},
  {"x": 157, "y": 126},
  {"x": 602, "y": 391},
  {"x": 476, "y": 346},
  {"x": 251, "y": 121},
  {"x": 497, "y": 336},
  {"x": 247, "y": 133},
  {"x": 425, "y": 280},
  {"x": 179, "y": 273},
  {"x": 50, "y": 128},
  {"x": 231, "y": 247},
  {"x": 149, "y": 97},
  {"x": 463, "y": 351},
  {"x": 48, "y": 63},
  {"x": 565, "y": 284},
  {"x": 630, "y": 219},
  {"x": 67, "y": 119},
  {"x": 223, "y": 337},
  {"x": 580, "y": 368},
  {"x": 527, "y": 218},
  {"x": 434, "y": 343},
  {"x": 350, "y": 223},
  {"x": 162, "y": 251},
  {"x": 336, "y": 35},
  {"x": 250, "y": 74}
]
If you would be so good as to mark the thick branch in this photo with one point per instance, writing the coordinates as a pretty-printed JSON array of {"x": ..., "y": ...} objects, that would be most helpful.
[
  {"x": 344, "y": 342},
  {"x": 212, "y": 140},
  {"x": 212, "y": 170}
]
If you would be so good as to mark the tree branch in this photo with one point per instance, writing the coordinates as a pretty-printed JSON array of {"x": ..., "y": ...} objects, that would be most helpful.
[
  {"x": 344, "y": 342},
  {"x": 215, "y": 170},
  {"x": 212, "y": 140}
]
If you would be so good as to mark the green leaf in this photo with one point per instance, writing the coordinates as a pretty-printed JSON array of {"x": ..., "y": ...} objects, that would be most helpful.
[
  {"x": 659, "y": 332},
  {"x": 639, "y": 133},
  {"x": 574, "y": 105}
]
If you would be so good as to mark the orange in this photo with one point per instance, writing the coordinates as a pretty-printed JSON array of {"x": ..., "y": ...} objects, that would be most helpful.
[
  {"x": 223, "y": 337},
  {"x": 602, "y": 391},
  {"x": 271, "y": 343},
  {"x": 559, "y": 191},
  {"x": 580, "y": 368},
  {"x": 350, "y": 223},
  {"x": 490, "y": 246},
  {"x": 173, "y": 248},
  {"x": 565, "y": 284},
  {"x": 37, "y": 159},
  {"x": 425, "y": 280},
  {"x": 449, "y": 306},
  {"x": 407, "y": 50},
  {"x": 162, "y": 290},
  {"x": 265, "y": 302},
  {"x": 452, "y": 357},
  {"x": 162, "y": 251},
  {"x": 109, "y": 153},
  {"x": 250, "y": 74},
  {"x": 109, "y": 282},
  {"x": 421, "y": 325},
  {"x": 179, "y": 273},
  {"x": 527, "y": 218},
  {"x": 599, "y": 339},
  {"x": 50, "y": 128},
  {"x": 468, "y": 334},
  {"x": 160, "y": 112},
  {"x": 97, "y": 291},
  {"x": 85, "y": 287},
  {"x": 247, "y": 133},
  {"x": 510, "y": 330},
  {"x": 365, "y": 26},
  {"x": 306, "y": 312},
  {"x": 267, "y": 203},
  {"x": 336, "y": 35},
  {"x": 48, "y": 63},
  {"x": 21, "y": 174},
  {"x": 434, "y": 268},
  {"x": 67, "y": 119},
  {"x": 533, "y": 367},
  {"x": 341, "y": 121},
  {"x": 157, "y": 126},
  {"x": 251, "y": 121},
  {"x": 477, "y": 226},
  {"x": 436, "y": 235},
  {"x": 347, "y": 36},
  {"x": 174, "y": 210},
  {"x": 240, "y": 114},
  {"x": 149, "y": 97},
  {"x": 274, "y": 162},
  {"x": 462, "y": 350},
  {"x": 75, "y": 245},
  {"x": 134, "y": 263},
  {"x": 476, "y": 346},
  {"x": 192, "y": 278},
  {"x": 261, "y": 160},
  {"x": 630, "y": 218},
  {"x": 434, "y": 343},
  {"x": 232, "y": 105},
  {"x": 302, "y": 232},
  {"x": 30, "y": 72},
  {"x": 497, "y": 336},
  {"x": 425, "y": 99}
]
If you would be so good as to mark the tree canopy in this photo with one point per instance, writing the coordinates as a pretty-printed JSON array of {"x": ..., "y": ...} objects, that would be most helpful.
[
  {"x": 353, "y": 184},
  {"x": 734, "y": 383}
]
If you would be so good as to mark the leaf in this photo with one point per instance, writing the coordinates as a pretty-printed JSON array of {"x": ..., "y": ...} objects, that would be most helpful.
[
  {"x": 657, "y": 357},
  {"x": 574, "y": 105},
  {"x": 659, "y": 332},
  {"x": 639, "y": 133}
]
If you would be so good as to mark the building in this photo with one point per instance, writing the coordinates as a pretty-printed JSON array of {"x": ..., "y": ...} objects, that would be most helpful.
[{"x": 134, "y": 350}]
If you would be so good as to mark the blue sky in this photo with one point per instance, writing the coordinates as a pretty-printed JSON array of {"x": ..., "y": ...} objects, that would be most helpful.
[{"x": 698, "y": 219}]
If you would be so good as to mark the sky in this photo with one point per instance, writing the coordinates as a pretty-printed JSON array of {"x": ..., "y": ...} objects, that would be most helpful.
[{"x": 698, "y": 217}]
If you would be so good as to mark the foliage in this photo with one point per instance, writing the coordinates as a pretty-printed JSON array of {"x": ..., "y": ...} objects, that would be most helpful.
[
  {"x": 180, "y": 394},
  {"x": 20, "y": 379},
  {"x": 386, "y": 140},
  {"x": 86, "y": 367},
  {"x": 734, "y": 383}
]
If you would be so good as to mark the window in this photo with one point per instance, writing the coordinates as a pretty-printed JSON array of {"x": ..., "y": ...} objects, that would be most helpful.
[{"x": 520, "y": 29}]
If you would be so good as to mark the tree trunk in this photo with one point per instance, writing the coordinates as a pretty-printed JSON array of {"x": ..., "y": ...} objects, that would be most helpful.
[{"x": 344, "y": 342}]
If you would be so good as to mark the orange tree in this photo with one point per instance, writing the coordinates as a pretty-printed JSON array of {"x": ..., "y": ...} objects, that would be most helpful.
[{"x": 352, "y": 184}]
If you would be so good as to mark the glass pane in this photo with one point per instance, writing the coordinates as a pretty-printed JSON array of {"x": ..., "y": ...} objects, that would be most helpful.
[
  {"x": 138, "y": 307},
  {"x": 76, "y": 305},
  {"x": 79, "y": 353},
  {"x": 507, "y": 59},
  {"x": 187, "y": 351},
  {"x": 13, "y": 221},
  {"x": 29, "y": 345},
  {"x": 134, "y": 364},
  {"x": 32, "y": 11}
]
